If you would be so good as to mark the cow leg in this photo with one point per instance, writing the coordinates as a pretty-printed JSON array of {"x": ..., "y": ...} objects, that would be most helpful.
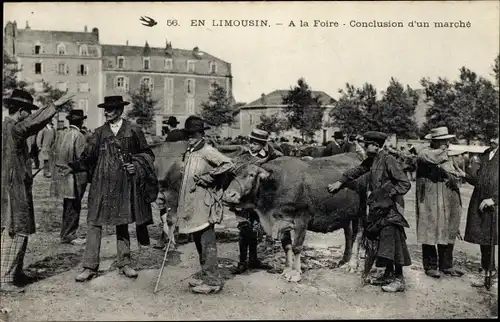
[
  {"x": 295, "y": 275},
  {"x": 353, "y": 263},
  {"x": 286, "y": 243},
  {"x": 348, "y": 236}
]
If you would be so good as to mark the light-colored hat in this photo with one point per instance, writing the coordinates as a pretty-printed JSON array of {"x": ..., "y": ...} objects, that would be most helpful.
[
  {"x": 439, "y": 133},
  {"x": 259, "y": 135}
]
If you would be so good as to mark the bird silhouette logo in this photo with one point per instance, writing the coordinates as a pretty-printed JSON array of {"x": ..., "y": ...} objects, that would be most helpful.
[{"x": 148, "y": 21}]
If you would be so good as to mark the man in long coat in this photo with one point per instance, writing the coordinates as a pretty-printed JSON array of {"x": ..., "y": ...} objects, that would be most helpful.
[
  {"x": 198, "y": 209},
  {"x": 45, "y": 141},
  {"x": 438, "y": 204},
  {"x": 121, "y": 167},
  {"x": 482, "y": 215},
  {"x": 18, "y": 217},
  {"x": 387, "y": 184},
  {"x": 33, "y": 151},
  {"x": 68, "y": 148},
  {"x": 337, "y": 146}
]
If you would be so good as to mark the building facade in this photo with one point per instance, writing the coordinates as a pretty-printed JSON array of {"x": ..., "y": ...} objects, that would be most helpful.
[
  {"x": 180, "y": 80},
  {"x": 65, "y": 60}
]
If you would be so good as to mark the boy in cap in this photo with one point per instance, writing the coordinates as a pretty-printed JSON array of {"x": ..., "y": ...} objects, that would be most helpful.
[{"x": 387, "y": 186}]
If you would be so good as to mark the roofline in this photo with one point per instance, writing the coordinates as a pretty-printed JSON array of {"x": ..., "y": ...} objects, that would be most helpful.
[{"x": 274, "y": 106}]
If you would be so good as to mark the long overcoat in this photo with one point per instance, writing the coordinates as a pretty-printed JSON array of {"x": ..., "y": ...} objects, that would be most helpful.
[
  {"x": 194, "y": 201},
  {"x": 482, "y": 226},
  {"x": 45, "y": 141},
  {"x": 69, "y": 146},
  {"x": 112, "y": 197},
  {"x": 17, "y": 199},
  {"x": 438, "y": 207}
]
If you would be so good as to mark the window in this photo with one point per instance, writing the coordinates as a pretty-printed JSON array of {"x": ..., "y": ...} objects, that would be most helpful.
[
  {"x": 213, "y": 67},
  {"x": 84, "y": 50},
  {"x": 190, "y": 106},
  {"x": 148, "y": 82},
  {"x": 169, "y": 85},
  {"x": 169, "y": 64},
  {"x": 190, "y": 84},
  {"x": 83, "y": 104},
  {"x": 61, "y": 49},
  {"x": 251, "y": 119},
  {"x": 121, "y": 83},
  {"x": 190, "y": 66},
  {"x": 38, "y": 49},
  {"x": 83, "y": 69},
  {"x": 169, "y": 103},
  {"x": 83, "y": 87},
  {"x": 146, "y": 63},
  {"x": 62, "y": 69},
  {"x": 121, "y": 62},
  {"x": 38, "y": 68},
  {"x": 62, "y": 86},
  {"x": 38, "y": 86}
]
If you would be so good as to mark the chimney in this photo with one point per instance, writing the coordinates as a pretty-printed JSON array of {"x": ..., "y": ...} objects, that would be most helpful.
[
  {"x": 126, "y": 43},
  {"x": 263, "y": 99},
  {"x": 168, "y": 48},
  {"x": 196, "y": 52},
  {"x": 27, "y": 25},
  {"x": 95, "y": 31},
  {"x": 146, "y": 50},
  {"x": 85, "y": 29}
]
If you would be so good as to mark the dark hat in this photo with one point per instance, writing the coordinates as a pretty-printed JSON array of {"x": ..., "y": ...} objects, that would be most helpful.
[
  {"x": 113, "y": 101},
  {"x": 374, "y": 137},
  {"x": 338, "y": 135},
  {"x": 75, "y": 115},
  {"x": 259, "y": 135},
  {"x": 21, "y": 99},
  {"x": 195, "y": 124},
  {"x": 172, "y": 120}
]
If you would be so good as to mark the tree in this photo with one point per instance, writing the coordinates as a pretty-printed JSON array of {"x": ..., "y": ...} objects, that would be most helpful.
[
  {"x": 9, "y": 79},
  {"x": 303, "y": 110},
  {"x": 496, "y": 70},
  {"x": 143, "y": 105},
  {"x": 218, "y": 110},
  {"x": 50, "y": 94},
  {"x": 273, "y": 123},
  {"x": 398, "y": 110}
]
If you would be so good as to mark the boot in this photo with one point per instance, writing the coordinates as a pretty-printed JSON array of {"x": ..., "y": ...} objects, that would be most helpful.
[
  {"x": 243, "y": 246},
  {"x": 85, "y": 275},
  {"x": 397, "y": 285},
  {"x": 385, "y": 279},
  {"x": 433, "y": 273},
  {"x": 11, "y": 288},
  {"x": 128, "y": 271}
]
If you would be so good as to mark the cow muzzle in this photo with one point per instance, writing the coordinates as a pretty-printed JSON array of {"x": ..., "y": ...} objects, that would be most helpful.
[{"x": 231, "y": 197}]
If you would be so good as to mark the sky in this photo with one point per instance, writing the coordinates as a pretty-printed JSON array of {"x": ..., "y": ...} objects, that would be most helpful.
[{"x": 264, "y": 59}]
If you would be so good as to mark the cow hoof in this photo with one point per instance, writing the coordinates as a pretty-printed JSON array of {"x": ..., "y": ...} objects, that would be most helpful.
[
  {"x": 286, "y": 270},
  {"x": 351, "y": 267},
  {"x": 293, "y": 276}
]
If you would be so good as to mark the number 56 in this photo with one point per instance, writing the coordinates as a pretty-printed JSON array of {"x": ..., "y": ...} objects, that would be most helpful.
[{"x": 171, "y": 23}]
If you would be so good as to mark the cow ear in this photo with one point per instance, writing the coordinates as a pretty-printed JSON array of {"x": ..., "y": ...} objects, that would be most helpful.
[{"x": 263, "y": 174}]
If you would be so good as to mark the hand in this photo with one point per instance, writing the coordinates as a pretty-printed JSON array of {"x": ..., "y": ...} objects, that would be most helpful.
[
  {"x": 63, "y": 169},
  {"x": 130, "y": 167},
  {"x": 64, "y": 99},
  {"x": 486, "y": 203},
  {"x": 204, "y": 180},
  {"x": 452, "y": 183},
  {"x": 334, "y": 187}
]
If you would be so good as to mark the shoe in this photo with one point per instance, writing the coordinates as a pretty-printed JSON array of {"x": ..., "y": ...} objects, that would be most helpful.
[
  {"x": 159, "y": 245},
  {"x": 398, "y": 285},
  {"x": 86, "y": 275},
  {"x": 11, "y": 288},
  {"x": 240, "y": 269},
  {"x": 383, "y": 280},
  {"x": 257, "y": 264},
  {"x": 128, "y": 271},
  {"x": 78, "y": 241},
  {"x": 206, "y": 289},
  {"x": 479, "y": 281},
  {"x": 452, "y": 272},
  {"x": 433, "y": 273}
]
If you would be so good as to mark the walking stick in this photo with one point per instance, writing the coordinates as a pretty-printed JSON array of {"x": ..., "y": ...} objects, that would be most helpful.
[
  {"x": 489, "y": 272},
  {"x": 166, "y": 252}
]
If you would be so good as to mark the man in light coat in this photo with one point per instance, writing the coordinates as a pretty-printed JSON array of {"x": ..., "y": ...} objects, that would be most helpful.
[
  {"x": 438, "y": 204},
  {"x": 199, "y": 210},
  {"x": 18, "y": 217},
  {"x": 45, "y": 141},
  {"x": 68, "y": 148}
]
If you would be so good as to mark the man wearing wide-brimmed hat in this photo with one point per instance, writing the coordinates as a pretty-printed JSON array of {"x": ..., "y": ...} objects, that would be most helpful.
[
  {"x": 120, "y": 166},
  {"x": 439, "y": 207},
  {"x": 337, "y": 146},
  {"x": 68, "y": 148},
  {"x": 173, "y": 133},
  {"x": 385, "y": 224},
  {"x": 18, "y": 218},
  {"x": 198, "y": 211}
]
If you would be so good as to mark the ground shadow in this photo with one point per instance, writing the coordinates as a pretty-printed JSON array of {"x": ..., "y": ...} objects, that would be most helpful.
[
  {"x": 151, "y": 258},
  {"x": 50, "y": 266}
]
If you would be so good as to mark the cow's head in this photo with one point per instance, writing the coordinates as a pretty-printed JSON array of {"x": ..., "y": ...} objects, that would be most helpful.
[{"x": 245, "y": 183}]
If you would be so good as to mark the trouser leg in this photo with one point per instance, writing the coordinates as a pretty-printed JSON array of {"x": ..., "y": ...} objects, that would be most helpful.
[
  {"x": 142, "y": 235},
  {"x": 488, "y": 257},
  {"x": 70, "y": 219},
  {"x": 244, "y": 239},
  {"x": 122, "y": 246},
  {"x": 429, "y": 257},
  {"x": 46, "y": 168},
  {"x": 13, "y": 250},
  {"x": 445, "y": 256},
  {"x": 92, "y": 247},
  {"x": 210, "y": 267}
]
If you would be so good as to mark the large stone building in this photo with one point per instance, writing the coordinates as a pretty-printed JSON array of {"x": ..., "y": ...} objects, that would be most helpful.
[
  {"x": 66, "y": 60},
  {"x": 269, "y": 104},
  {"x": 179, "y": 79}
]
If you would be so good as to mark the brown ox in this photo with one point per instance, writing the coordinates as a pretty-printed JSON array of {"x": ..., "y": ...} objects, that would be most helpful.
[{"x": 291, "y": 194}]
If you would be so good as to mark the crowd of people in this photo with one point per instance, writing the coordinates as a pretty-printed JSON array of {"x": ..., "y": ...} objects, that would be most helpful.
[{"x": 118, "y": 162}]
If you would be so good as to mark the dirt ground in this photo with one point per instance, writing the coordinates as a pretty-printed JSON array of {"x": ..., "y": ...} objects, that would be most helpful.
[{"x": 325, "y": 292}]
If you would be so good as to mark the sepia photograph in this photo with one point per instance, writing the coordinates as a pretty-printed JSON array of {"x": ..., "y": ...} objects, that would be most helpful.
[{"x": 250, "y": 160}]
